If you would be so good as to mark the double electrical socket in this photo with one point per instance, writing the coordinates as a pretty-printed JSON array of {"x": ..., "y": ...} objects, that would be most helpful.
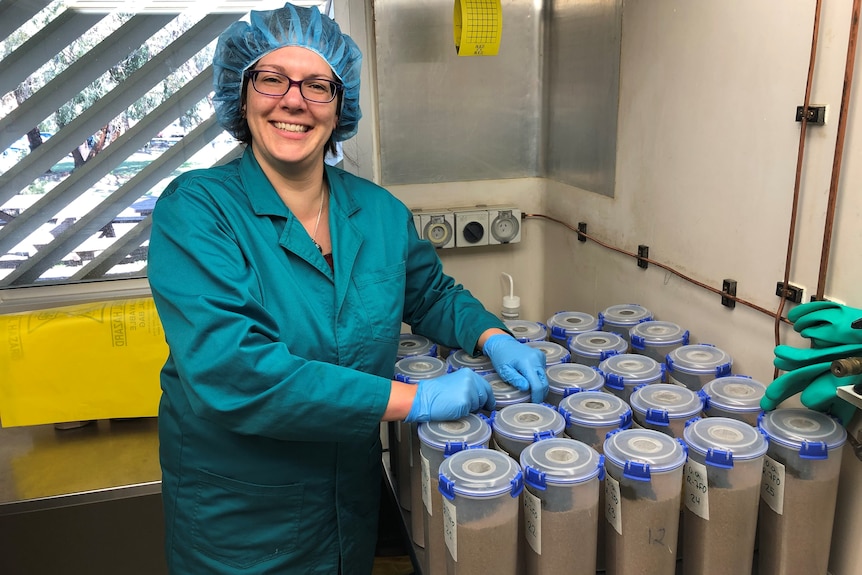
[{"x": 469, "y": 226}]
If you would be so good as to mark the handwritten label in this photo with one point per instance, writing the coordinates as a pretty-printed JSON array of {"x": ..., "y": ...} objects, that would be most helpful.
[
  {"x": 450, "y": 528},
  {"x": 696, "y": 489},
  {"x": 657, "y": 536},
  {"x": 613, "y": 505},
  {"x": 772, "y": 484},
  {"x": 426, "y": 483},
  {"x": 533, "y": 521}
]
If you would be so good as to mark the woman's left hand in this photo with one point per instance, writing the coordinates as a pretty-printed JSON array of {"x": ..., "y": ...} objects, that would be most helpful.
[{"x": 518, "y": 364}]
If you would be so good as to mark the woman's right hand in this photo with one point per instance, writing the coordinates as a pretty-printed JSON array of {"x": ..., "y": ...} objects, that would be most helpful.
[{"x": 451, "y": 396}]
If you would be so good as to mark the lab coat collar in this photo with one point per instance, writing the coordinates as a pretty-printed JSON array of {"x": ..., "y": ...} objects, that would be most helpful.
[
  {"x": 266, "y": 202},
  {"x": 346, "y": 238}
]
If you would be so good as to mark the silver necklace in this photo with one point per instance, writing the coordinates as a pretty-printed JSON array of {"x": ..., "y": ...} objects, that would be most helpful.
[{"x": 317, "y": 223}]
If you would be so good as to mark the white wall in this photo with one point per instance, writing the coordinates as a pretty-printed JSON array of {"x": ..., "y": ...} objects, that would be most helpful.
[{"x": 707, "y": 152}]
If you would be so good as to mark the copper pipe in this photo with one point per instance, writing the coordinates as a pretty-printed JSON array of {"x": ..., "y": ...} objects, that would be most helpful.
[
  {"x": 659, "y": 265},
  {"x": 791, "y": 236},
  {"x": 839, "y": 149}
]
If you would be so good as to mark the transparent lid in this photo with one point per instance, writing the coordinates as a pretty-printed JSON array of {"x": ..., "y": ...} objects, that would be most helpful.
[
  {"x": 567, "y": 378},
  {"x": 412, "y": 369},
  {"x": 654, "y": 332},
  {"x": 630, "y": 369},
  {"x": 625, "y": 314},
  {"x": 460, "y": 358},
  {"x": 528, "y": 422},
  {"x": 640, "y": 452},
  {"x": 600, "y": 344},
  {"x": 412, "y": 344},
  {"x": 525, "y": 331},
  {"x": 554, "y": 352},
  {"x": 559, "y": 460},
  {"x": 733, "y": 393},
  {"x": 564, "y": 324},
  {"x": 480, "y": 473},
  {"x": 595, "y": 409},
  {"x": 810, "y": 432},
  {"x": 700, "y": 358},
  {"x": 723, "y": 440},
  {"x": 453, "y": 436},
  {"x": 505, "y": 393},
  {"x": 660, "y": 402}
]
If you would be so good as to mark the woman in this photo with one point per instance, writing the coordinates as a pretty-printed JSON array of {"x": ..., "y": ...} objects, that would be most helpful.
[{"x": 282, "y": 284}]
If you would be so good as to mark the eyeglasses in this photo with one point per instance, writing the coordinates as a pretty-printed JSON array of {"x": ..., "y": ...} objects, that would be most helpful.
[{"x": 270, "y": 83}]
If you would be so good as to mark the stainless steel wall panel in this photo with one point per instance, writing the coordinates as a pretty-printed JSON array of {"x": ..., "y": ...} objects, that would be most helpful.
[
  {"x": 583, "y": 93},
  {"x": 446, "y": 118}
]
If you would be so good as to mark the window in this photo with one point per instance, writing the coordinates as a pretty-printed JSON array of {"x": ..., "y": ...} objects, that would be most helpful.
[{"x": 103, "y": 104}]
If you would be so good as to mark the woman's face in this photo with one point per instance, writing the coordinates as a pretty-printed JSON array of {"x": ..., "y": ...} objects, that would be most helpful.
[{"x": 289, "y": 132}]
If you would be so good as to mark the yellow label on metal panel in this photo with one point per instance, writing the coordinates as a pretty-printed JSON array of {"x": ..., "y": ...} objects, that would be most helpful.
[{"x": 478, "y": 26}]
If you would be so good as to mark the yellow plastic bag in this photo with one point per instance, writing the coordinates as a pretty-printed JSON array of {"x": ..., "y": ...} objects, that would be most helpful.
[{"x": 75, "y": 363}]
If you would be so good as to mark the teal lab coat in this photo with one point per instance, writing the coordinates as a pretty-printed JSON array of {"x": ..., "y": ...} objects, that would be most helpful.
[{"x": 279, "y": 368}]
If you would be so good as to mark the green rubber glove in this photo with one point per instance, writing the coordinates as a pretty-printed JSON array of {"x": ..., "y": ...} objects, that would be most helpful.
[
  {"x": 788, "y": 357},
  {"x": 827, "y": 323},
  {"x": 822, "y": 395},
  {"x": 818, "y": 388},
  {"x": 789, "y": 384},
  {"x": 799, "y": 311}
]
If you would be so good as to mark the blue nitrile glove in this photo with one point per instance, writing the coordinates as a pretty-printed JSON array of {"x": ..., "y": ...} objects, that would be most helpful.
[
  {"x": 827, "y": 323},
  {"x": 518, "y": 364},
  {"x": 818, "y": 387},
  {"x": 451, "y": 396},
  {"x": 788, "y": 357}
]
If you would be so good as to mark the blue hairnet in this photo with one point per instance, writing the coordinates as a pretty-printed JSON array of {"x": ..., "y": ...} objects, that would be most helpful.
[{"x": 243, "y": 44}]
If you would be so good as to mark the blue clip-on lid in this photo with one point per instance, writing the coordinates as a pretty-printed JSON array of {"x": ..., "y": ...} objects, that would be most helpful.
[
  {"x": 720, "y": 458},
  {"x": 446, "y": 487},
  {"x": 704, "y": 397},
  {"x": 614, "y": 380},
  {"x": 657, "y": 417},
  {"x": 535, "y": 478},
  {"x": 517, "y": 484}
]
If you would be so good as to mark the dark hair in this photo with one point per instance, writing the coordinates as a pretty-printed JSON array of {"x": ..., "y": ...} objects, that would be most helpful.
[{"x": 242, "y": 133}]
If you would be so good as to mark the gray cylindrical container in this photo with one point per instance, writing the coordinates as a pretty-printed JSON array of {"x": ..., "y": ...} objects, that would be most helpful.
[
  {"x": 643, "y": 485},
  {"x": 554, "y": 352},
  {"x": 413, "y": 369},
  {"x": 656, "y": 339},
  {"x": 665, "y": 407},
  {"x": 562, "y": 477},
  {"x": 734, "y": 396},
  {"x": 565, "y": 324},
  {"x": 721, "y": 490},
  {"x": 439, "y": 440},
  {"x": 525, "y": 331},
  {"x": 459, "y": 358},
  {"x": 626, "y": 371},
  {"x": 481, "y": 491},
  {"x": 517, "y": 426},
  {"x": 593, "y": 347},
  {"x": 564, "y": 379},
  {"x": 505, "y": 393},
  {"x": 590, "y": 416},
  {"x": 694, "y": 365},
  {"x": 411, "y": 344},
  {"x": 621, "y": 318},
  {"x": 799, "y": 490}
]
